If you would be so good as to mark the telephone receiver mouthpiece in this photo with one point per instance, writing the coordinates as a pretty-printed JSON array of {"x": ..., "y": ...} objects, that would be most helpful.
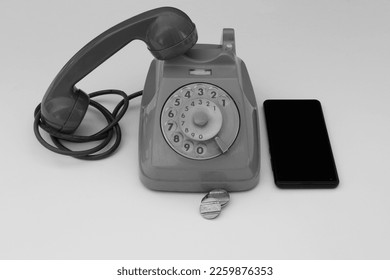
[{"x": 167, "y": 32}]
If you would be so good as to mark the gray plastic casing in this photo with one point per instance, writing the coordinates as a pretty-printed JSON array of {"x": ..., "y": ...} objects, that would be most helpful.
[{"x": 163, "y": 169}]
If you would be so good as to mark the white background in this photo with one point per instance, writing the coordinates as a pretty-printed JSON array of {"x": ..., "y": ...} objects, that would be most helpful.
[{"x": 55, "y": 207}]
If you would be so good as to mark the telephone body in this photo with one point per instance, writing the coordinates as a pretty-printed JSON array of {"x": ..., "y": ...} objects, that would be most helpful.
[{"x": 199, "y": 125}]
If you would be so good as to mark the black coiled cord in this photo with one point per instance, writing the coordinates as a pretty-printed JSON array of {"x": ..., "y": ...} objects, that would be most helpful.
[{"x": 105, "y": 135}]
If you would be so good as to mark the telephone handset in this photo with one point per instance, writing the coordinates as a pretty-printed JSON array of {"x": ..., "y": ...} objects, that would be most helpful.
[
  {"x": 198, "y": 123},
  {"x": 167, "y": 32}
]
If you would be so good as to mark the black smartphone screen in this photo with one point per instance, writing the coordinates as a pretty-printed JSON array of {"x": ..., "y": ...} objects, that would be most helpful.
[{"x": 301, "y": 154}]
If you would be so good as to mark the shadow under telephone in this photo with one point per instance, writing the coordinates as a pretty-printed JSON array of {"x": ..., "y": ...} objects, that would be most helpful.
[{"x": 198, "y": 127}]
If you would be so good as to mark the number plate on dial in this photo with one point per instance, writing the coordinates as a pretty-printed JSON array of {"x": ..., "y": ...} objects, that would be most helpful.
[{"x": 200, "y": 121}]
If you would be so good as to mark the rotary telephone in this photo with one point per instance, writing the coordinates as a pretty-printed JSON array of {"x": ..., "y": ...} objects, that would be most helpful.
[{"x": 198, "y": 127}]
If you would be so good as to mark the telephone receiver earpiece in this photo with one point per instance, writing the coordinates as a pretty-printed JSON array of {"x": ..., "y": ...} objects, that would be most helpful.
[{"x": 168, "y": 32}]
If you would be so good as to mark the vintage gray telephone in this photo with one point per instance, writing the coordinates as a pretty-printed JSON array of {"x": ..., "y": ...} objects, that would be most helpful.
[{"x": 198, "y": 126}]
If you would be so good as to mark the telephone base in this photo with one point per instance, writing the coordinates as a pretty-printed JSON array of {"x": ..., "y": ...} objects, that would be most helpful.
[{"x": 194, "y": 157}]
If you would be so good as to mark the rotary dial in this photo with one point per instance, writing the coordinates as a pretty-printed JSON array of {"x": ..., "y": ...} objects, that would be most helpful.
[{"x": 200, "y": 121}]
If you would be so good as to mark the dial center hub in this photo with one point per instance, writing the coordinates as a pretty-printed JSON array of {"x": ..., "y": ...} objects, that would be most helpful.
[{"x": 200, "y": 118}]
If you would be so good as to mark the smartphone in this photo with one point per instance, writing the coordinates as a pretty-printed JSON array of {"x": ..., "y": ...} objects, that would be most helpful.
[{"x": 301, "y": 154}]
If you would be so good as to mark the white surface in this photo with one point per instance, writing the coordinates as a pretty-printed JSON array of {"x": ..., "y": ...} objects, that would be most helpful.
[{"x": 55, "y": 207}]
